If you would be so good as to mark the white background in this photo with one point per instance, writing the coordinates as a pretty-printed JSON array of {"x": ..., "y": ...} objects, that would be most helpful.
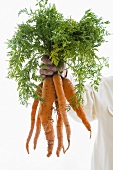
[{"x": 15, "y": 118}]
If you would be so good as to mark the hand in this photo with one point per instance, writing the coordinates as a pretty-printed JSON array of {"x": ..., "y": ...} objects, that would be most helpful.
[{"x": 50, "y": 68}]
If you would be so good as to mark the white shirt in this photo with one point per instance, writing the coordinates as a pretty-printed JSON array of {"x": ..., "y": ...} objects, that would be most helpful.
[{"x": 99, "y": 105}]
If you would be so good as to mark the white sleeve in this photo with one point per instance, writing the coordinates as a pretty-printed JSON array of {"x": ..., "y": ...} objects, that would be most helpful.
[{"x": 89, "y": 102}]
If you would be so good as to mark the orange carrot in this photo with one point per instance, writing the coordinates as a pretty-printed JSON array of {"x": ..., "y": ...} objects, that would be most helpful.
[
  {"x": 45, "y": 112},
  {"x": 69, "y": 93},
  {"x": 61, "y": 88},
  {"x": 33, "y": 114},
  {"x": 38, "y": 129},
  {"x": 62, "y": 105},
  {"x": 59, "y": 130}
]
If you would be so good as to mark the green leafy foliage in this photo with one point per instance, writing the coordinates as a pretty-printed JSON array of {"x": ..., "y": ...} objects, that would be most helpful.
[{"x": 48, "y": 32}]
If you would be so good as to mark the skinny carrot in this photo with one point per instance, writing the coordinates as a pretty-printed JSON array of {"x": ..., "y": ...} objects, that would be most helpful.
[
  {"x": 59, "y": 128},
  {"x": 62, "y": 105},
  {"x": 69, "y": 93},
  {"x": 38, "y": 129},
  {"x": 33, "y": 114},
  {"x": 45, "y": 111}
]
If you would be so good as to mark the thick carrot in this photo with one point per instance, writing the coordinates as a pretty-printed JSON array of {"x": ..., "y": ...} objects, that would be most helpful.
[
  {"x": 59, "y": 128},
  {"x": 33, "y": 114},
  {"x": 62, "y": 104},
  {"x": 69, "y": 93},
  {"x": 45, "y": 111}
]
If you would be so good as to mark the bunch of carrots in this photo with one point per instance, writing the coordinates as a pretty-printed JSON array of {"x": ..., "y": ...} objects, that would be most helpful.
[
  {"x": 46, "y": 31},
  {"x": 54, "y": 90}
]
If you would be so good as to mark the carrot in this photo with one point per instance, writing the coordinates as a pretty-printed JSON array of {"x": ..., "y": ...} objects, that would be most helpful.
[
  {"x": 58, "y": 90},
  {"x": 38, "y": 129},
  {"x": 45, "y": 111},
  {"x": 59, "y": 130},
  {"x": 33, "y": 114},
  {"x": 69, "y": 93},
  {"x": 62, "y": 105}
]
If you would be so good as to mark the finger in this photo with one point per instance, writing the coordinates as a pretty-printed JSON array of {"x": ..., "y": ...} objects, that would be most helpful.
[
  {"x": 46, "y": 60},
  {"x": 43, "y": 76},
  {"x": 53, "y": 68},
  {"x": 46, "y": 72}
]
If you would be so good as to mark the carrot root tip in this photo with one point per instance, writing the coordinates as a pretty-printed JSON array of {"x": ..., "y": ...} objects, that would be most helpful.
[
  {"x": 49, "y": 154},
  {"x": 65, "y": 150},
  {"x": 27, "y": 148},
  {"x": 90, "y": 134},
  {"x": 28, "y": 151}
]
